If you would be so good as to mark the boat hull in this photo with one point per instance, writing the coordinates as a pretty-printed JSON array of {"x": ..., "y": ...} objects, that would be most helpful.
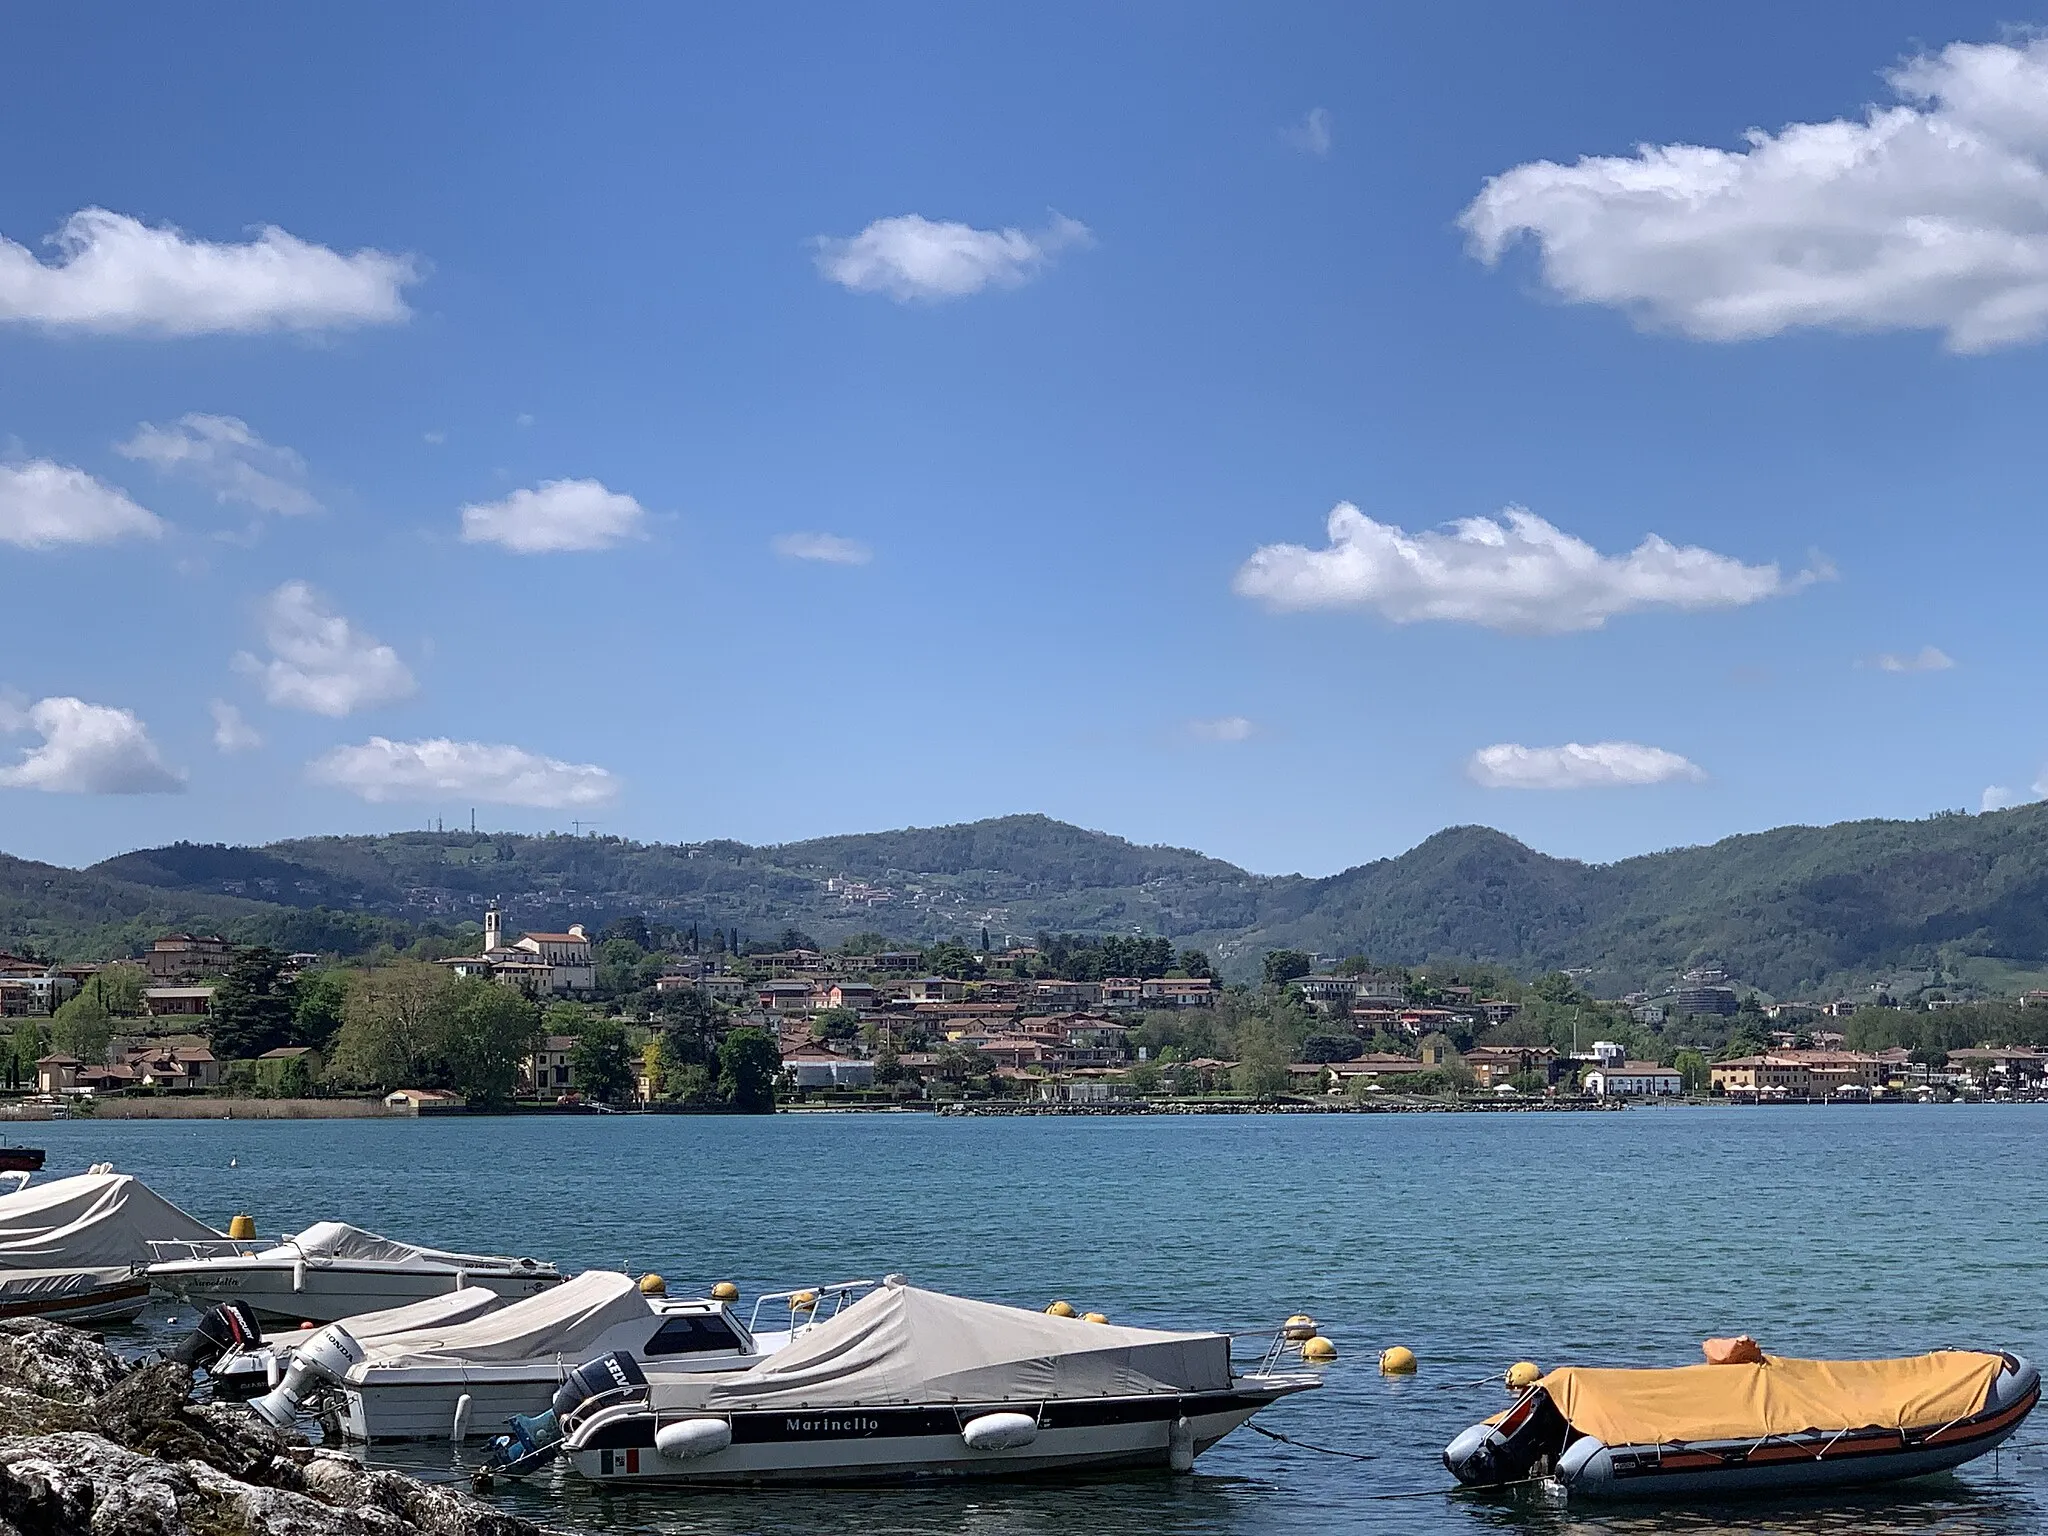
[
  {"x": 326, "y": 1295},
  {"x": 834, "y": 1446},
  {"x": 426, "y": 1410},
  {"x": 119, "y": 1303}
]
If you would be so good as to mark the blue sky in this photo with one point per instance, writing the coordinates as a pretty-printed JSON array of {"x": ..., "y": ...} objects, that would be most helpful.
[{"x": 779, "y": 424}]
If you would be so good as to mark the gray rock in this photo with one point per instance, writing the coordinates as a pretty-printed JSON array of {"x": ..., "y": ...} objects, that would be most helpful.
[{"x": 54, "y": 1361}]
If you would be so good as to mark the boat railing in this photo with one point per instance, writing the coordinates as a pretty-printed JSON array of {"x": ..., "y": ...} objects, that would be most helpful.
[
  {"x": 809, "y": 1305},
  {"x": 178, "y": 1250}
]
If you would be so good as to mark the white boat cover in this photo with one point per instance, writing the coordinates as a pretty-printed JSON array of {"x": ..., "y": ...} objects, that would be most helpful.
[
  {"x": 91, "y": 1220},
  {"x": 336, "y": 1242},
  {"x": 563, "y": 1324},
  {"x": 19, "y": 1286},
  {"x": 442, "y": 1311},
  {"x": 900, "y": 1344}
]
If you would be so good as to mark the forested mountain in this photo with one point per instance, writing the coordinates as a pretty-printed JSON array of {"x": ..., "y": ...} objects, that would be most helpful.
[{"x": 1799, "y": 910}]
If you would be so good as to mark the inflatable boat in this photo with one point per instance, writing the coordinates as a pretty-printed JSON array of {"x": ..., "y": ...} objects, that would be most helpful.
[{"x": 1757, "y": 1424}]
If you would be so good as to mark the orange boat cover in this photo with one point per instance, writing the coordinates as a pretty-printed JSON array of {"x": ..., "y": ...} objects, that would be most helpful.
[{"x": 1773, "y": 1397}]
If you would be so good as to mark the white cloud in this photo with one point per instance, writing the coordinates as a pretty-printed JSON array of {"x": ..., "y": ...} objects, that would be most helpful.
[
  {"x": 1997, "y": 797},
  {"x": 381, "y": 770},
  {"x": 827, "y": 547},
  {"x": 1514, "y": 573},
  {"x": 43, "y": 505},
  {"x": 223, "y": 454},
  {"x": 1928, "y": 215},
  {"x": 1603, "y": 765},
  {"x": 436, "y": 438},
  {"x": 320, "y": 662},
  {"x": 1312, "y": 134},
  {"x": 231, "y": 733},
  {"x": 911, "y": 257},
  {"x": 1222, "y": 728},
  {"x": 555, "y": 516},
  {"x": 114, "y": 273},
  {"x": 88, "y": 749},
  {"x": 1926, "y": 659}
]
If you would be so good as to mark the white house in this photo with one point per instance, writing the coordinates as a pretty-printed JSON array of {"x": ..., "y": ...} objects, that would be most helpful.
[
  {"x": 1633, "y": 1079},
  {"x": 822, "y": 1069},
  {"x": 538, "y": 964}
]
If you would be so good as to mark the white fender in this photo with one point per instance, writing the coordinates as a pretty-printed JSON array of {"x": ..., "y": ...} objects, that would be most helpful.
[
  {"x": 999, "y": 1431},
  {"x": 459, "y": 1430},
  {"x": 687, "y": 1439},
  {"x": 1180, "y": 1445}
]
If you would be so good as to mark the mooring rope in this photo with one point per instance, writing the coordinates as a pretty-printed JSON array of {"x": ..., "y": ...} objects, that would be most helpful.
[{"x": 1303, "y": 1445}]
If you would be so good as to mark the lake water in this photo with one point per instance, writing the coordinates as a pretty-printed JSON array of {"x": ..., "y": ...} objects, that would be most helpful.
[{"x": 1475, "y": 1240}]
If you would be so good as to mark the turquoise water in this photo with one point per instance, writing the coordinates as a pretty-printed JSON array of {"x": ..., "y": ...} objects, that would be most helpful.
[{"x": 1475, "y": 1240}]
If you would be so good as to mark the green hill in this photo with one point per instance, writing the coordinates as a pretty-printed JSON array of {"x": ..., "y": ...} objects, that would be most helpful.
[{"x": 1796, "y": 910}]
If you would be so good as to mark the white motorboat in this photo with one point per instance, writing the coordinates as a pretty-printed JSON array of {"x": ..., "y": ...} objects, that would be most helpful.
[
  {"x": 440, "y": 1382},
  {"x": 74, "y": 1249},
  {"x": 909, "y": 1383},
  {"x": 333, "y": 1270},
  {"x": 240, "y": 1361}
]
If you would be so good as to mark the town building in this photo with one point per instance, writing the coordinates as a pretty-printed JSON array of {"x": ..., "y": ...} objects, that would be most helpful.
[
  {"x": 537, "y": 964},
  {"x": 813, "y": 1067},
  {"x": 1705, "y": 999},
  {"x": 186, "y": 957},
  {"x": 547, "y": 1071},
  {"x": 177, "y": 1002},
  {"x": 1179, "y": 992},
  {"x": 1634, "y": 1079}
]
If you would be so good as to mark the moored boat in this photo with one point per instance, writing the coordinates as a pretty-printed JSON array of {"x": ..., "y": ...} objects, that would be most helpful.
[
  {"x": 1754, "y": 1424},
  {"x": 445, "y": 1380},
  {"x": 911, "y": 1384},
  {"x": 73, "y": 1249},
  {"x": 333, "y": 1270}
]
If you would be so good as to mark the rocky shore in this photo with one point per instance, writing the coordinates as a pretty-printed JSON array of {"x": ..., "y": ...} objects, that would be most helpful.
[{"x": 91, "y": 1445}]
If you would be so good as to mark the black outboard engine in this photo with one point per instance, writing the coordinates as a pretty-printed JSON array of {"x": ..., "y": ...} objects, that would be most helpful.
[
  {"x": 229, "y": 1326},
  {"x": 534, "y": 1438},
  {"x": 1525, "y": 1442}
]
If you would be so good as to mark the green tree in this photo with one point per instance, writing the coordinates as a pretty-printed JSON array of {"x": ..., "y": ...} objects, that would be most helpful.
[
  {"x": 254, "y": 1007},
  {"x": 28, "y": 1044},
  {"x": 1264, "y": 1053},
  {"x": 1332, "y": 1048},
  {"x": 488, "y": 1031},
  {"x": 295, "y": 1081},
  {"x": 393, "y": 1025},
  {"x": 319, "y": 1004},
  {"x": 1195, "y": 962},
  {"x": 1693, "y": 1071},
  {"x": 748, "y": 1064},
  {"x": 835, "y": 1024},
  {"x": 565, "y": 1019},
  {"x": 82, "y": 1028},
  {"x": 119, "y": 988},
  {"x": 1284, "y": 965},
  {"x": 602, "y": 1062}
]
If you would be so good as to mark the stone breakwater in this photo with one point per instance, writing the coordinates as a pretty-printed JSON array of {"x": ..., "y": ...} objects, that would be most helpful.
[
  {"x": 91, "y": 1445},
  {"x": 1295, "y": 1107}
]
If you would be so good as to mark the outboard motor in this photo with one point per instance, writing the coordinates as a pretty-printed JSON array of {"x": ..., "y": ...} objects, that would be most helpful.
[
  {"x": 324, "y": 1358},
  {"x": 1526, "y": 1440},
  {"x": 229, "y": 1326},
  {"x": 534, "y": 1438}
]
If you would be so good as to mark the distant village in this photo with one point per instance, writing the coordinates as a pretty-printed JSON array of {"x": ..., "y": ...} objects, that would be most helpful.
[{"x": 888, "y": 1025}]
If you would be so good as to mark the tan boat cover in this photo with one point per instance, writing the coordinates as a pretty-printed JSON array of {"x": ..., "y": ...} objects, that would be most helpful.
[
  {"x": 563, "y": 1324},
  {"x": 90, "y": 1221},
  {"x": 1773, "y": 1397},
  {"x": 900, "y": 1344},
  {"x": 327, "y": 1242}
]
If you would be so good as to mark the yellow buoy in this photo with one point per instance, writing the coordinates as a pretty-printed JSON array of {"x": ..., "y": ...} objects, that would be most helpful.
[
  {"x": 1298, "y": 1327},
  {"x": 653, "y": 1285},
  {"x": 1317, "y": 1347},
  {"x": 1398, "y": 1361},
  {"x": 1523, "y": 1375},
  {"x": 1094, "y": 1317},
  {"x": 1061, "y": 1309},
  {"x": 804, "y": 1301},
  {"x": 725, "y": 1290},
  {"x": 242, "y": 1227}
]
